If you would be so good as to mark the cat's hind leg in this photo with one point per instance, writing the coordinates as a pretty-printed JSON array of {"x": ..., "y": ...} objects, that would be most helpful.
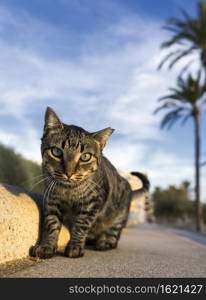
[{"x": 109, "y": 239}]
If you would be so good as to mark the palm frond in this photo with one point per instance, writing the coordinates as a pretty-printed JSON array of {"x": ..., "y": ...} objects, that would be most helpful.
[
  {"x": 167, "y": 57},
  {"x": 185, "y": 14},
  {"x": 175, "y": 22},
  {"x": 199, "y": 74},
  {"x": 185, "y": 119},
  {"x": 182, "y": 101},
  {"x": 172, "y": 121},
  {"x": 178, "y": 94},
  {"x": 168, "y": 104},
  {"x": 184, "y": 53},
  {"x": 186, "y": 67},
  {"x": 180, "y": 83},
  {"x": 186, "y": 31},
  {"x": 170, "y": 96},
  {"x": 176, "y": 39},
  {"x": 171, "y": 117},
  {"x": 169, "y": 27}
]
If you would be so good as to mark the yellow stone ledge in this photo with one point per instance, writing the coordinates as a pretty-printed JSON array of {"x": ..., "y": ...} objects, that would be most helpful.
[{"x": 20, "y": 213}]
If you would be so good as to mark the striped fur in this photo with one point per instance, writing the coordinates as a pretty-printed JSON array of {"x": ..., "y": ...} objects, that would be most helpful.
[{"x": 91, "y": 197}]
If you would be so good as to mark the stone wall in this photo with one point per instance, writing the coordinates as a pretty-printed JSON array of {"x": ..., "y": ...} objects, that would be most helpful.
[{"x": 20, "y": 212}]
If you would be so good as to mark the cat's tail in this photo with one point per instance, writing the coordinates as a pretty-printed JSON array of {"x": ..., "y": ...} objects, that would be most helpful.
[{"x": 145, "y": 185}]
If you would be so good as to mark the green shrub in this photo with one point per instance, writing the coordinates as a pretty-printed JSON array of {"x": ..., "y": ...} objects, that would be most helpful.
[
  {"x": 16, "y": 170},
  {"x": 173, "y": 202}
]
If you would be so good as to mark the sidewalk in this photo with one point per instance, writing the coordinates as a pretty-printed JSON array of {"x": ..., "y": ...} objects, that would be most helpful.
[{"x": 145, "y": 251}]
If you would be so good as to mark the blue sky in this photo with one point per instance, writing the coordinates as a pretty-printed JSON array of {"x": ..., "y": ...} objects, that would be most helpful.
[{"x": 94, "y": 63}]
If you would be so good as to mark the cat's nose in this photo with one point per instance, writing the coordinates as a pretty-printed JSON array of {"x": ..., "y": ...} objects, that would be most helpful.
[{"x": 69, "y": 174}]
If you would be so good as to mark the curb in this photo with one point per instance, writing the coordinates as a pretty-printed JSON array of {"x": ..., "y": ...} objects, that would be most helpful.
[{"x": 20, "y": 215}]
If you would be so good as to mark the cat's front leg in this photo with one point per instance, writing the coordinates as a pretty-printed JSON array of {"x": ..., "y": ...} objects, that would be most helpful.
[
  {"x": 82, "y": 225},
  {"x": 48, "y": 245}
]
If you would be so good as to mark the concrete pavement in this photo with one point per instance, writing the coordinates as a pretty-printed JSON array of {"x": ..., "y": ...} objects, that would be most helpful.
[{"x": 145, "y": 251}]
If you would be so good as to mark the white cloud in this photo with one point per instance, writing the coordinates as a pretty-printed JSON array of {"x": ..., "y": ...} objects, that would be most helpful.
[
  {"x": 110, "y": 81},
  {"x": 126, "y": 155},
  {"x": 25, "y": 141}
]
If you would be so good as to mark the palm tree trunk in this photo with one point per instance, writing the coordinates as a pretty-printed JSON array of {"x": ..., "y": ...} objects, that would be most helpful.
[{"x": 197, "y": 173}]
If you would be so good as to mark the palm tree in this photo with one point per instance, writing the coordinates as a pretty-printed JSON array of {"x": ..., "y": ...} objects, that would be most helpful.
[
  {"x": 184, "y": 102},
  {"x": 189, "y": 35}
]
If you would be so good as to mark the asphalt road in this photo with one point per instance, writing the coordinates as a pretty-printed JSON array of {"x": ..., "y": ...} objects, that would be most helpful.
[{"x": 145, "y": 251}]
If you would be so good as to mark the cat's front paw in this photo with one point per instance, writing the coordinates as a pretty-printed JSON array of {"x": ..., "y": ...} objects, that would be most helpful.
[
  {"x": 74, "y": 251},
  {"x": 42, "y": 251}
]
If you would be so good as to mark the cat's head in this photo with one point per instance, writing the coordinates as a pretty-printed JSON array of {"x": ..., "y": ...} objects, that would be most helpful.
[{"x": 70, "y": 154}]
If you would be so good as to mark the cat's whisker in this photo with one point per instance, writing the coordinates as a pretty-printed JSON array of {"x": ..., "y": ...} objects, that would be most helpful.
[
  {"x": 80, "y": 201},
  {"x": 51, "y": 188},
  {"x": 44, "y": 179},
  {"x": 49, "y": 182},
  {"x": 46, "y": 192},
  {"x": 89, "y": 187},
  {"x": 97, "y": 185},
  {"x": 32, "y": 179}
]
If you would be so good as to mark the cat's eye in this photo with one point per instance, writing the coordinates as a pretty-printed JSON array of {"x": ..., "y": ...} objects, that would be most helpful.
[
  {"x": 56, "y": 152},
  {"x": 86, "y": 156}
]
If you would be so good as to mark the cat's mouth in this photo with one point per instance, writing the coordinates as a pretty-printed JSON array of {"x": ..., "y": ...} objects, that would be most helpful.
[{"x": 64, "y": 179}]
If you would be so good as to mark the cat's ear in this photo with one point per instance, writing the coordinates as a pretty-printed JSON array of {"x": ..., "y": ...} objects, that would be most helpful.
[
  {"x": 102, "y": 136},
  {"x": 52, "y": 121}
]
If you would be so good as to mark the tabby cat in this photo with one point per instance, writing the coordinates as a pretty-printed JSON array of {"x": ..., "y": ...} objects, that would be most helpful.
[{"x": 82, "y": 188}]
